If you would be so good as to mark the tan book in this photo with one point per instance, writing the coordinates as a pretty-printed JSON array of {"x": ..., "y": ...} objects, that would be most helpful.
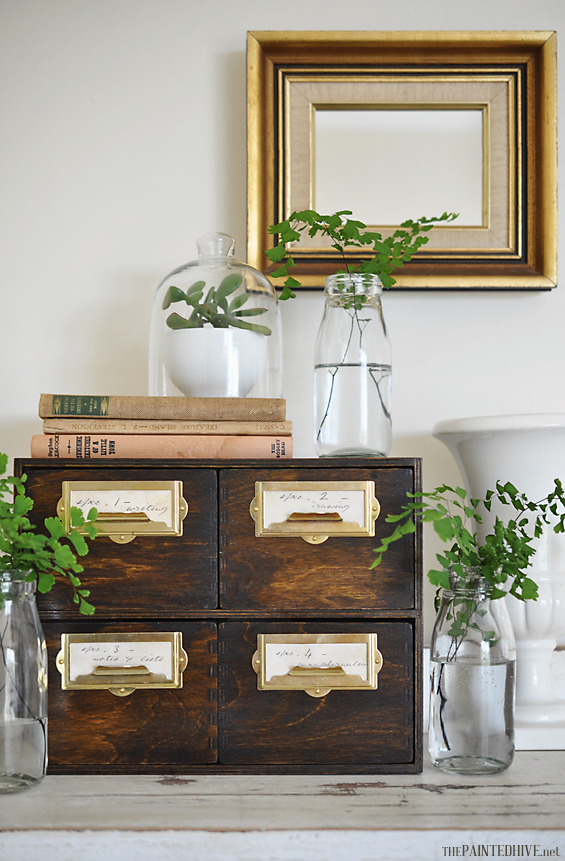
[
  {"x": 152, "y": 408},
  {"x": 73, "y": 425},
  {"x": 88, "y": 447}
]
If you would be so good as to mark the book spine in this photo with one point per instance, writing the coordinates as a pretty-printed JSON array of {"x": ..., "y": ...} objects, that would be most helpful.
[
  {"x": 89, "y": 447},
  {"x": 163, "y": 408},
  {"x": 132, "y": 426}
]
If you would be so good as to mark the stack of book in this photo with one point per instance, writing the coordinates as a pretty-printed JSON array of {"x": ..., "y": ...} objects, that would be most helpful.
[{"x": 128, "y": 426}]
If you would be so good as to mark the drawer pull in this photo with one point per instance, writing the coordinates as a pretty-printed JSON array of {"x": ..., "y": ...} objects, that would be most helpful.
[
  {"x": 112, "y": 517},
  {"x": 313, "y": 671},
  {"x": 350, "y": 662},
  {"x": 302, "y": 516},
  {"x": 123, "y": 671},
  {"x": 314, "y": 510},
  {"x": 104, "y": 661},
  {"x": 127, "y": 509}
]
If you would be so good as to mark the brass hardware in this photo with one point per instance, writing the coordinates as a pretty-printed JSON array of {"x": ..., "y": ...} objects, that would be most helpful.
[
  {"x": 112, "y": 517},
  {"x": 164, "y": 507},
  {"x": 124, "y": 671},
  {"x": 78, "y": 661},
  {"x": 314, "y": 510},
  {"x": 339, "y": 655},
  {"x": 315, "y": 671},
  {"x": 301, "y": 516}
]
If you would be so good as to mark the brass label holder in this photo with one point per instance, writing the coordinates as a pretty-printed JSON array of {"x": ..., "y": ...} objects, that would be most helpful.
[
  {"x": 317, "y": 663},
  {"x": 314, "y": 510},
  {"x": 121, "y": 663},
  {"x": 126, "y": 509}
]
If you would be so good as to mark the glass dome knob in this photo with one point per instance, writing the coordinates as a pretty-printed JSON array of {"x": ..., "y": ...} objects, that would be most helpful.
[{"x": 215, "y": 245}]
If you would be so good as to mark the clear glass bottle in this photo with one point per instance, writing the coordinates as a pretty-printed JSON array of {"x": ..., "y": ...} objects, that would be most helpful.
[
  {"x": 23, "y": 685},
  {"x": 215, "y": 360},
  {"x": 473, "y": 684},
  {"x": 352, "y": 371}
]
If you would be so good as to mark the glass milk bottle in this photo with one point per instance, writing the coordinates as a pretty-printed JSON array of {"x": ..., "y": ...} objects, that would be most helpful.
[{"x": 352, "y": 371}]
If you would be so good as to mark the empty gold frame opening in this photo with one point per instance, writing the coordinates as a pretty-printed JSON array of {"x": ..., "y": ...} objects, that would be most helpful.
[
  {"x": 126, "y": 509},
  {"x": 121, "y": 663},
  {"x": 314, "y": 510},
  {"x": 317, "y": 663}
]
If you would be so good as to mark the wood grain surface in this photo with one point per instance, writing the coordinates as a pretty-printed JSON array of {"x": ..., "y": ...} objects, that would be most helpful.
[
  {"x": 343, "y": 727},
  {"x": 288, "y": 573},
  {"x": 152, "y": 576},
  {"x": 147, "y": 730}
]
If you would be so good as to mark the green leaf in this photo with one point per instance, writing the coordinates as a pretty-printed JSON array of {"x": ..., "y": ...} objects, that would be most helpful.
[
  {"x": 238, "y": 301},
  {"x": 439, "y": 578},
  {"x": 222, "y": 302},
  {"x": 45, "y": 582},
  {"x": 250, "y": 312},
  {"x": 529, "y": 589},
  {"x": 79, "y": 543},
  {"x": 85, "y": 608},
  {"x": 243, "y": 324},
  {"x": 55, "y": 527},
  {"x": 445, "y": 529},
  {"x": 175, "y": 321},
  {"x": 277, "y": 253},
  {"x": 196, "y": 288},
  {"x": 22, "y": 504},
  {"x": 228, "y": 285},
  {"x": 77, "y": 518},
  {"x": 90, "y": 530},
  {"x": 194, "y": 300},
  {"x": 173, "y": 294},
  {"x": 290, "y": 285}
]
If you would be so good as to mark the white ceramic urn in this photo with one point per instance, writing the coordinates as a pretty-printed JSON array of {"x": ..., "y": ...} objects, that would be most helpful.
[{"x": 529, "y": 451}]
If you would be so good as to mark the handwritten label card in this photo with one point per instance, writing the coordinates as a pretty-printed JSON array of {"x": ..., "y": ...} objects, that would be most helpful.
[
  {"x": 282, "y": 657},
  {"x": 157, "y": 657},
  {"x": 278, "y": 505},
  {"x": 156, "y": 504}
]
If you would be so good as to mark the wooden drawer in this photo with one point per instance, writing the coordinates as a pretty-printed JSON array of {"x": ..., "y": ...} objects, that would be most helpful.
[
  {"x": 149, "y": 730},
  {"x": 288, "y": 573},
  {"x": 152, "y": 576},
  {"x": 344, "y": 728}
]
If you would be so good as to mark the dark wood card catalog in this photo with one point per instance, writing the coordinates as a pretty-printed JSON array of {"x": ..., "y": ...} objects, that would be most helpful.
[{"x": 238, "y": 626}]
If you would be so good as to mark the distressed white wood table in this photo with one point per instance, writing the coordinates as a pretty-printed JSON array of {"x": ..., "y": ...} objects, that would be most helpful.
[{"x": 518, "y": 813}]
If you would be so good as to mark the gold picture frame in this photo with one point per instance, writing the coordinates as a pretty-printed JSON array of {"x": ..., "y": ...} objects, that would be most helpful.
[{"x": 510, "y": 78}]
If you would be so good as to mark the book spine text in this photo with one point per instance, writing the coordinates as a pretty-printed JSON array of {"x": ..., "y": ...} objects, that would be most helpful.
[{"x": 90, "y": 446}]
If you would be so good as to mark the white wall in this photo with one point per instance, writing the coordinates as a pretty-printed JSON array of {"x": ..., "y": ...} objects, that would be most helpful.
[{"x": 123, "y": 140}]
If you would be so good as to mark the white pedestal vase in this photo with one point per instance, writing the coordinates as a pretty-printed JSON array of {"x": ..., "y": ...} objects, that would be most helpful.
[{"x": 529, "y": 451}]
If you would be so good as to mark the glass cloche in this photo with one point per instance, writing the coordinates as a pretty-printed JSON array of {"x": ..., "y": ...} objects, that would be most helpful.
[{"x": 215, "y": 328}]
